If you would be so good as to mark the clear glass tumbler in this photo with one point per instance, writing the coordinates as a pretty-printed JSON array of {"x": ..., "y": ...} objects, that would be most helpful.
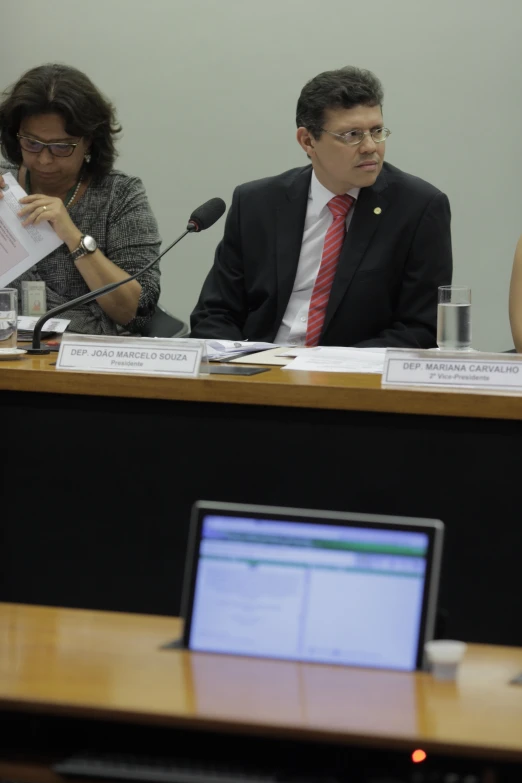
[
  {"x": 8, "y": 318},
  {"x": 454, "y": 318}
]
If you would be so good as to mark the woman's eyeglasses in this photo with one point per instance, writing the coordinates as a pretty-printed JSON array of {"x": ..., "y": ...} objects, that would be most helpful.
[{"x": 58, "y": 149}]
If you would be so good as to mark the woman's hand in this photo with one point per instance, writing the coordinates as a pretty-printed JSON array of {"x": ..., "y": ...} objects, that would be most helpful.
[
  {"x": 2, "y": 185},
  {"x": 39, "y": 209}
]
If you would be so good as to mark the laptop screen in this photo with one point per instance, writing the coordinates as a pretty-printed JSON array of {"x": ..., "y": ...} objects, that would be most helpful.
[{"x": 343, "y": 593}]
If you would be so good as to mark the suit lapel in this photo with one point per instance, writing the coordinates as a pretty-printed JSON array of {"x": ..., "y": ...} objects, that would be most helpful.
[
  {"x": 290, "y": 219},
  {"x": 363, "y": 225}
]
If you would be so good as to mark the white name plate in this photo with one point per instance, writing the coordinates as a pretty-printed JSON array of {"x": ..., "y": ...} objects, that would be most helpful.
[
  {"x": 136, "y": 355},
  {"x": 455, "y": 369}
]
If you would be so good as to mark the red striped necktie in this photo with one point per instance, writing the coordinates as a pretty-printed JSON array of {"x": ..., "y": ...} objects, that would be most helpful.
[{"x": 339, "y": 206}]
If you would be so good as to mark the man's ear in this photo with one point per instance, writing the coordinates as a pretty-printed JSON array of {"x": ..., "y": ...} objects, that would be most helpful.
[{"x": 305, "y": 140}]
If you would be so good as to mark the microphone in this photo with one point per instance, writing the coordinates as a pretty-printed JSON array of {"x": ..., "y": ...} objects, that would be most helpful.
[
  {"x": 202, "y": 218},
  {"x": 206, "y": 215}
]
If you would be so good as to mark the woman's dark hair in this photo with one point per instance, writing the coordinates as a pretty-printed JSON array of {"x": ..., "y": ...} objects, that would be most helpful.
[
  {"x": 342, "y": 89},
  {"x": 60, "y": 89}
]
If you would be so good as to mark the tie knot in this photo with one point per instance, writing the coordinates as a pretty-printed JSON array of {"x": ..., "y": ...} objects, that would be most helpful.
[{"x": 339, "y": 206}]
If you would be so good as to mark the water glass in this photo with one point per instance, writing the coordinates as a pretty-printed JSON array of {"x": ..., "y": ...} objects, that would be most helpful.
[
  {"x": 8, "y": 318},
  {"x": 454, "y": 318}
]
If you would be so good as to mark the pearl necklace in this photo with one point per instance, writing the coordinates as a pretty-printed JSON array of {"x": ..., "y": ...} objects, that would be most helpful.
[{"x": 77, "y": 188}]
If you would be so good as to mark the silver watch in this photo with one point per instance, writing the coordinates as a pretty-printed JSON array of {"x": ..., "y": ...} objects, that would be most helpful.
[{"x": 87, "y": 245}]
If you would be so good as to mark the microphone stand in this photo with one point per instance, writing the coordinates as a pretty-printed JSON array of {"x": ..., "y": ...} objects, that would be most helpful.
[{"x": 36, "y": 348}]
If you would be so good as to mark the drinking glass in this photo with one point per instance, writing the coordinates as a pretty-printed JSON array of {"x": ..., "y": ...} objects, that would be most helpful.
[
  {"x": 454, "y": 318},
  {"x": 8, "y": 317}
]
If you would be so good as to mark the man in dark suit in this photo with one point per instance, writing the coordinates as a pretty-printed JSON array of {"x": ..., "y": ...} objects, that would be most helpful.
[{"x": 348, "y": 251}]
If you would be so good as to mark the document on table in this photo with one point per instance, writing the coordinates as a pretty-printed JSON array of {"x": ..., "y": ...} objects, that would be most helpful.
[
  {"x": 26, "y": 324},
  {"x": 225, "y": 350},
  {"x": 273, "y": 356},
  {"x": 20, "y": 248},
  {"x": 329, "y": 359}
]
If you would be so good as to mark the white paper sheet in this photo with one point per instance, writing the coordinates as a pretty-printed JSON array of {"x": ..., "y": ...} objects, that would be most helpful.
[
  {"x": 20, "y": 248},
  {"x": 326, "y": 359},
  {"x": 27, "y": 323},
  {"x": 221, "y": 350}
]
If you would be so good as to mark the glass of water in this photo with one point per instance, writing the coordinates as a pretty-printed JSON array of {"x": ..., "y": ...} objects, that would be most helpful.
[
  {"x": 8, "y": 316},
  {"x": 454, "y": 318}
]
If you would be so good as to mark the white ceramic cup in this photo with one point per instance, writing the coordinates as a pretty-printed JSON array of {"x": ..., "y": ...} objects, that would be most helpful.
[{"x": 445, "y": 655}]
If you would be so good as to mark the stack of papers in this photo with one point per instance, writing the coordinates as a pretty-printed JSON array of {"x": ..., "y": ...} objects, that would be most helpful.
[
  {"x": 225, "y": 350},
  {"x": 27, "y": 323}
]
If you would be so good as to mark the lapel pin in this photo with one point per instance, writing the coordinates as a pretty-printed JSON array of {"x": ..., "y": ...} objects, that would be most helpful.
[{"x": 377, "y": 211}]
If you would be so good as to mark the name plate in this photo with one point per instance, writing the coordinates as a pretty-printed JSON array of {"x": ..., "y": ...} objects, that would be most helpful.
[
  {"x": 132, "y": 355},
  {"x": 455, "y": 369}
]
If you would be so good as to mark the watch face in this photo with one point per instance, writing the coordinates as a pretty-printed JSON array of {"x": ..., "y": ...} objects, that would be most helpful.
[{"x": 89, "y": 244}]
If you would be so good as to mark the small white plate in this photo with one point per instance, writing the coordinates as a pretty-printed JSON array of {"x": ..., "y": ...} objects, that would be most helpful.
[{"x": 11, "y": 353}]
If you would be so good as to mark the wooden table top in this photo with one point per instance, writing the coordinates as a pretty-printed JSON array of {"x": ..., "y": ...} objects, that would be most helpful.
[
  {"x": 99, "y": 664},
  {"x": 277, "y": 387}
]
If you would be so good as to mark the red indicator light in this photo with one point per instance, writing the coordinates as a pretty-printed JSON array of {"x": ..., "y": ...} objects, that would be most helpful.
[{"x": 418, "y": 755}]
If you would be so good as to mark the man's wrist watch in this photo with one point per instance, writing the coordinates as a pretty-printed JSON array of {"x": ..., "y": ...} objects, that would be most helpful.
[{"x": 87, "y": 246}]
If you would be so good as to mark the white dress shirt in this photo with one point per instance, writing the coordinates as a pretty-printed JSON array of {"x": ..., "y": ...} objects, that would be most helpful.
[{"x": 317, "y": 222}]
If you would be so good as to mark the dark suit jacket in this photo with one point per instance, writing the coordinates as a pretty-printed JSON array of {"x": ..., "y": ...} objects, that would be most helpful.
[{"x": 385, "y": 288}]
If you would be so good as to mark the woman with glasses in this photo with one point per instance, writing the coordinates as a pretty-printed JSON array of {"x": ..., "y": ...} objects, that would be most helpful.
[{"x": 57, "y": 134}]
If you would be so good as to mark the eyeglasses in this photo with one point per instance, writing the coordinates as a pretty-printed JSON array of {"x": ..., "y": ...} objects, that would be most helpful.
[
  {"x": 354, "y": 137},
  {"x": 58, "y": 149}
]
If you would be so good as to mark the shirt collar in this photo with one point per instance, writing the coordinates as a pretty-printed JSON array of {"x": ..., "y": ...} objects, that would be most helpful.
[{"x": 319, "y": 196}]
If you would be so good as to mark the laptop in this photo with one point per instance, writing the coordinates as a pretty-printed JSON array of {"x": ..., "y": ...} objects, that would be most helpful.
[{"x": 315, "y": 586}]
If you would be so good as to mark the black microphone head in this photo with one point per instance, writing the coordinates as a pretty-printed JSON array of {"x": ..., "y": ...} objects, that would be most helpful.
[{"x": 206, "y": 215}]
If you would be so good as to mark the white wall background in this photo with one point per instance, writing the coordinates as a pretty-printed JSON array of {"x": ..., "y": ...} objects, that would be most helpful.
[{"x": 206, "y": 92}]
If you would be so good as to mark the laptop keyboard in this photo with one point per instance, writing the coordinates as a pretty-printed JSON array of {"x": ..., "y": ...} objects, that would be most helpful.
[{"x": 157, "y": 770}]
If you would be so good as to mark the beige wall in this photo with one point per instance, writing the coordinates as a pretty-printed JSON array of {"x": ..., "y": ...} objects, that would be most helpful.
[{"x": 206, "y": 91}]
